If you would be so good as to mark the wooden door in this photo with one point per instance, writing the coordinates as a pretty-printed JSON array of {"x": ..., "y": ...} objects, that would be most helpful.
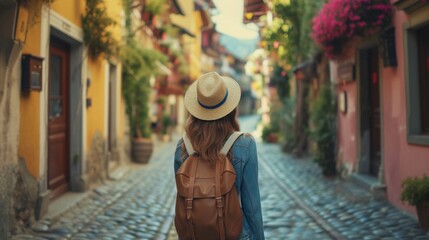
[
  {"x": 58, "y": 124},
  {"x": 374, "y": 111}
]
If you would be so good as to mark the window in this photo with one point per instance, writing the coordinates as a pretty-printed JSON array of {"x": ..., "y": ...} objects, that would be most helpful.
[
  {"x": 423, "y": 63},
  {"x": 417, "y": 81}
]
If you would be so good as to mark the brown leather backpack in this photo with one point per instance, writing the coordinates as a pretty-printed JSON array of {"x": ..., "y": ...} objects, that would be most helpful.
[{"x": 207, "y": 204}]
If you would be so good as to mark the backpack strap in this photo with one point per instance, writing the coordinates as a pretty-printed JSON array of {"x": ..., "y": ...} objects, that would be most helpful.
[
  {"x": 228, "y": 144},
  {"x": 188, "y": 145},
  {"x": 219, "y": 202}
]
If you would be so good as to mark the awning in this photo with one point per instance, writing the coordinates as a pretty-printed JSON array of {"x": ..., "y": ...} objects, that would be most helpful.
[
  {"x": 176, "y": 8},
  {"x": 183, "y": 30}
]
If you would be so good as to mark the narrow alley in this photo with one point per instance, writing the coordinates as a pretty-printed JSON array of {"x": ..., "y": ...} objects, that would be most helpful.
[
  {"x": 297, "y": 203},
  {"x": 95, "y": 94}
]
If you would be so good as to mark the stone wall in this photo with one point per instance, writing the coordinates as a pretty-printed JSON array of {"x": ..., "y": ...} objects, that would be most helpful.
[
  {"x": 9, "y": 130},
  {"x": 96, "y": 164},
  {"x": 7, "y": 179},
  {"x": 24, "y": 199}
]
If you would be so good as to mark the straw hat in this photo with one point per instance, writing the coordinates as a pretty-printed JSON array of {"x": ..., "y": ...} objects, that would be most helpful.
[{"x": 212, "y": 96}]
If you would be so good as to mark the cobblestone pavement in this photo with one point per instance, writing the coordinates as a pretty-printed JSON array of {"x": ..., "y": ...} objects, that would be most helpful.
[
  {"x": 137, "y": 207},
  {"x": 366, "y": 220},
  {"x": 297, "y": 203}
]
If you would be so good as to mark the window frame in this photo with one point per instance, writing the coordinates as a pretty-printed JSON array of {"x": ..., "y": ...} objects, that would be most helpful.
[
  {"x": 424, "y": 80},
  {"x": 415, "y": 134}
]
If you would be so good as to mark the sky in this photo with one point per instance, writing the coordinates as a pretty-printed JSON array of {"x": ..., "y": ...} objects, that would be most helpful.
[{"x": 230, "y": 20}]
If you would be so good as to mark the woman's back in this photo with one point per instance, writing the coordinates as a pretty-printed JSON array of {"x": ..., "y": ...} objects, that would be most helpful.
[
  {"x": 212, "y": 102},
  {"x": 245, "y": 163}
]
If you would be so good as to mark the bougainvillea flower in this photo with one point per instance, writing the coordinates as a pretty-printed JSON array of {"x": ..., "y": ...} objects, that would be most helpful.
[{"x": 340, "y": 21}]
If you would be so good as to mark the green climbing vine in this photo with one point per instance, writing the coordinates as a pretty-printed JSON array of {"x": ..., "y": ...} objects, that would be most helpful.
[
  {"x": 96, "y": 33},
  {"x": 139, "y": 66}
]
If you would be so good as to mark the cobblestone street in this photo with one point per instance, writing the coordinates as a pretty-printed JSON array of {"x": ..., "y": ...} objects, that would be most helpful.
[{"x": 297, "y": 203}]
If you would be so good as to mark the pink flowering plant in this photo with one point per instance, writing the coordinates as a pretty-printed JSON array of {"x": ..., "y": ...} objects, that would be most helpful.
[{"x": 341, "y": 21}]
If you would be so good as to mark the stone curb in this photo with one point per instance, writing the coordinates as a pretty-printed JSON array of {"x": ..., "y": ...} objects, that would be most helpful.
[{"x": 111, "y": 191}]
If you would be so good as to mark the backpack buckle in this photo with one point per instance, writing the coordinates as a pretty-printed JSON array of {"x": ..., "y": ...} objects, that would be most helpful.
[
  {"x": 188, "y": 208},
  {"x": 219, "y": 202},
  {"x": 189, "y": 203}
]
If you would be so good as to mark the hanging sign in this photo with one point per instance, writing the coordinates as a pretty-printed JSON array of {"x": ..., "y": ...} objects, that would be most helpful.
[{"x": 346, "y": 72}]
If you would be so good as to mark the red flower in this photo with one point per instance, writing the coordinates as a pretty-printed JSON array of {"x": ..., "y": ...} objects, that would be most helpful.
[{"x": 339, "y": 21}]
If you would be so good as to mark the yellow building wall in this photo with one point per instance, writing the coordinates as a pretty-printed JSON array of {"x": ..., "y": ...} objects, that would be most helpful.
[
  {"x": 29, "y": 141},
  {"x": 115, "y": 11},
  {"x": 30, "y": 128},
  {"x": 95, "y": 114},
  {"x": 121, "y": 108},
  {"x": 187, "y": 21},
  {"x": 72, "y": 10},
  {"x": 195, "y": 67}
]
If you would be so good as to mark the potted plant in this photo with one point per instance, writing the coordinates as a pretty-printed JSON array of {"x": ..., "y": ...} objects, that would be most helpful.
[
  {"x": 323, "y": 131},
  {"x": 269, "y": 134},
  {"x": 139, "y": 65},
  {"x": 415, "y": 191},
  {"x": 166, "y": 122}
]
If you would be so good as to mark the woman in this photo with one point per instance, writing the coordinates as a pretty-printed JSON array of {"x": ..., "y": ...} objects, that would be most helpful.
[{"x": 212, "y": 102}]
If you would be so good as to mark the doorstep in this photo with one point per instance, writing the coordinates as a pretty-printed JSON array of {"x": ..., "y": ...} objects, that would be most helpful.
[
  {"x": 70, "y": 199},
  {"x": 361, "y": 188},
  {"x": 64, "y": 203},
  {"x": 370, "y": 184},
  {"x": 67, "y": 202}
]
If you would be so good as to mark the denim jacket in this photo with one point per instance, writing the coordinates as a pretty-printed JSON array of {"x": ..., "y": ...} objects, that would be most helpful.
[{"x": 245, "y": 162}]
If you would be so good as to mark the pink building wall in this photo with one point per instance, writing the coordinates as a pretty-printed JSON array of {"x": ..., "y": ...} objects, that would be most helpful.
[
  {"x": 401, "y": 159},
  {"x": 347, "y": 128}
]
